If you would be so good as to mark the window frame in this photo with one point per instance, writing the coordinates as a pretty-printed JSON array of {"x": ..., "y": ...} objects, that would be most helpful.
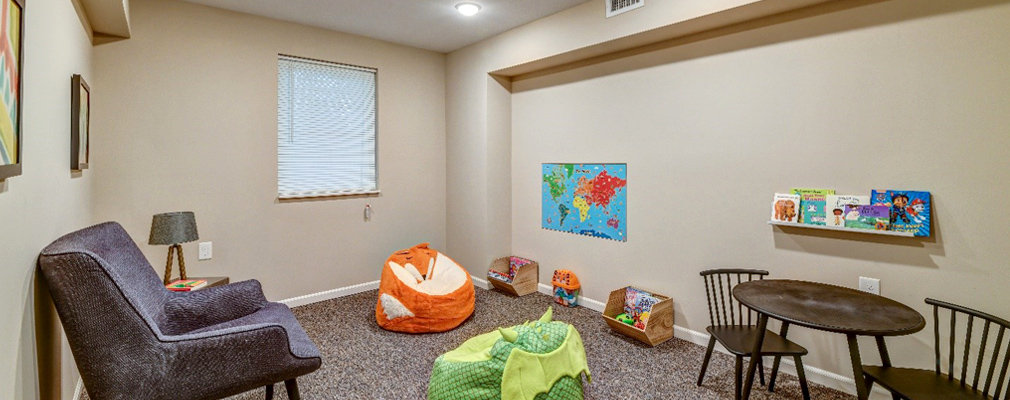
[{"x": 366, "y": 193}]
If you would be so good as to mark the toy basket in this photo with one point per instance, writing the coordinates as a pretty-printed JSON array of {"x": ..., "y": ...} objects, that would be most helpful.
[
  {"x": 566, "y": 288},
  {"x": 524, "y": 280},
  {"x": 660, "y": 326}
]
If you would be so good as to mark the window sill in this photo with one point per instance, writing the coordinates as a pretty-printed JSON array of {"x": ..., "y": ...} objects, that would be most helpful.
[{"x": 372, "y": 193}]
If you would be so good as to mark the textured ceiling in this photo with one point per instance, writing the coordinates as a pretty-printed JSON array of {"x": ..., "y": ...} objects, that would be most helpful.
[{"x": 427, "y": 24}]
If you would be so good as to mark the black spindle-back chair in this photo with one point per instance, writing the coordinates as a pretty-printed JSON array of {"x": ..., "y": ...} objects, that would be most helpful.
[
  {"x": 733, "y": 326},
  {"x": 989, "y": 359}
]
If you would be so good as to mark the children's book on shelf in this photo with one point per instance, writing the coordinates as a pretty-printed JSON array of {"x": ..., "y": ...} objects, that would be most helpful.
[
  {"x": 812, "y": 207},
  {"x": 638, "y": 305},
  {"x": 834, "y": 208},
  {"x": 186, "y": 285},
  {"x": 910, "y": 211},
  {"x": 803, "y": 191},
  {"x": 785, "y": 208},
  {"x": 867, "y": 217}
]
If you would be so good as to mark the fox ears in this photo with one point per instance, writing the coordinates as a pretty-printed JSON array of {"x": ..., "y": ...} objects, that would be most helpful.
[{"x": 511, "y": 335}]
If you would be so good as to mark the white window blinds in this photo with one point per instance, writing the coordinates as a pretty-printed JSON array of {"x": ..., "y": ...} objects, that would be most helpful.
[{"x": 326, "y": 125}]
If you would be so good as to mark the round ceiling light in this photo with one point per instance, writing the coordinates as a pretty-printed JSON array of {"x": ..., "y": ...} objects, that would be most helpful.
[{"x": 468, "y": 9}]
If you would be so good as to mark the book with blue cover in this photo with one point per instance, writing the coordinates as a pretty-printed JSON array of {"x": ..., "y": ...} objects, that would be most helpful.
[{"x": 910, "y": 211}]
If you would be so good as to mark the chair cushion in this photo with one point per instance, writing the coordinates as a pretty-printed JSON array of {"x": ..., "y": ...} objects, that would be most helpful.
[
  {"x": 188, "y": 311},
  {"x": 918, "y": 384},
  {"x": 739, "y": 340}
]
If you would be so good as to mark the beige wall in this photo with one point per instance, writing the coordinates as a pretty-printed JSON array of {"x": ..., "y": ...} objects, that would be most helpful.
[
  {"x": 477, "y": 114},
  {"x": 190, "y": 121},
  {"x": 46, "y": 201},
  {"x": 709, "y": 128}
]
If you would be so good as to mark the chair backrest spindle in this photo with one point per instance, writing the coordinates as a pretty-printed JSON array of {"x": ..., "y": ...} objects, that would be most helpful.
[
  {"x": 723, "y": 308},
  {"x": 999, "y": 355}
]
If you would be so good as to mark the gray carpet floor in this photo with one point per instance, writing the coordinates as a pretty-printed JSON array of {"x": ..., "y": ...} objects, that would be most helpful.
[{"x": 362, "y": 361}]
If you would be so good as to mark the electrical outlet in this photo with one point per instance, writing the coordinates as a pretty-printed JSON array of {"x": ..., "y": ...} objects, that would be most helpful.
[
  {"x": 206, "y": 250},
  {"x": 869, "y": 285}
]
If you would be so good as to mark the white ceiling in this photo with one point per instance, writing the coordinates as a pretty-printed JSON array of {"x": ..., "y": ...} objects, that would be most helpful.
[{"x": 427, "y": 24}]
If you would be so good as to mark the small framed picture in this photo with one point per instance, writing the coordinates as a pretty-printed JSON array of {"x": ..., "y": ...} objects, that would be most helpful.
[
  {"x": 80, "y": 115},
  {"x": 12, "y": 27}
]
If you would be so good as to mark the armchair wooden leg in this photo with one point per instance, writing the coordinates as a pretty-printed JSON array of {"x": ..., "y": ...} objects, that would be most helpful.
[
  {"x": 292, "y": 386},
  {"x": 270, "y": 392}
]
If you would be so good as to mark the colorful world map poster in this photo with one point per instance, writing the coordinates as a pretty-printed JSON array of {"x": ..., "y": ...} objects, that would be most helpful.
[{"x": 586, "y": 199}]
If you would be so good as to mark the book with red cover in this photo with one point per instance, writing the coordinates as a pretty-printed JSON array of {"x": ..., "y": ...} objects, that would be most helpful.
[{"x": 186, "y": 285}]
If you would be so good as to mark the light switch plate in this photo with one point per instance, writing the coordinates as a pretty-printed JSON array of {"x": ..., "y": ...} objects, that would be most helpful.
[
  {"x": 206, "y": 250},
  {"x": 869, "y": 285}
]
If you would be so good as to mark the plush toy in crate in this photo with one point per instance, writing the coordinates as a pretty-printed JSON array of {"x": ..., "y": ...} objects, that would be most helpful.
[
  {"x": 540, "y": 360},
  {"x": 566, "y": 288}
]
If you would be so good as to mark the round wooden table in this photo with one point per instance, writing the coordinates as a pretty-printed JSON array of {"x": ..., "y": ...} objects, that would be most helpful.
[{"x": 828, "y": 308}]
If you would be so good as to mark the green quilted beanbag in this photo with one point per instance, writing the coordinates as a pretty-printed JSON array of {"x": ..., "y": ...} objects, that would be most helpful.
[{"x": 541, "y": 360}]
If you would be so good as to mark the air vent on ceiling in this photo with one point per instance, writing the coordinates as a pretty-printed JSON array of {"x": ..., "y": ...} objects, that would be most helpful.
[{"x": 617, "y": 7}]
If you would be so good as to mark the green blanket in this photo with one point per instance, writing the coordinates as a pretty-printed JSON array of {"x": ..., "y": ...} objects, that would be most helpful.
[{"x": 541, "y": 360}]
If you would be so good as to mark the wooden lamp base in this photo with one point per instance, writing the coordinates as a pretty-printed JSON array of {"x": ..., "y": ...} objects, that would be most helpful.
[{"x": 168, "y": 265}]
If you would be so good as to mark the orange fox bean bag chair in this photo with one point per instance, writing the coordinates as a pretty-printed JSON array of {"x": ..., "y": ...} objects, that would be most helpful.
[{"x": 422, "y": 290}]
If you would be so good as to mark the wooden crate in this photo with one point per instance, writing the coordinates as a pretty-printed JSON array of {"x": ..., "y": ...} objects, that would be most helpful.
[
  {"x": 525, "y": 282},
  {"x": 659, "y": 328}
]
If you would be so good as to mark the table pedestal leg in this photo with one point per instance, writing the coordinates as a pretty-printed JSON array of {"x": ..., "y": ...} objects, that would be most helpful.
[
  {"x": 755, "y": 354},
  {"x": 857, "y": 368}
]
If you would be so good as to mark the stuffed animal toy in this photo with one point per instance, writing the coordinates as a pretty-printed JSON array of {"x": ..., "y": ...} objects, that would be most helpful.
[
  {"x": 541, "y": 360},
  {"x": 423, "y": 290}
]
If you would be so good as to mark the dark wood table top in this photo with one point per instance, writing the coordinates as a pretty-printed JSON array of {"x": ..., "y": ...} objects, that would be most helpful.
[{"x": 829, "y": 308}]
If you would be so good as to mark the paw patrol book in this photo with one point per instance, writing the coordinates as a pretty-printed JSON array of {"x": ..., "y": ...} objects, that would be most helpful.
[
  {"x": 867, "y": 217},
  {"x": 910, "y": 211},
  {"x": 834, "y": 208},
  {"x": 786, "y": 208}
]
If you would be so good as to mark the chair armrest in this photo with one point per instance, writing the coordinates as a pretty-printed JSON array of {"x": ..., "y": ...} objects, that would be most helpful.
[{"x": 190, "y": 311}]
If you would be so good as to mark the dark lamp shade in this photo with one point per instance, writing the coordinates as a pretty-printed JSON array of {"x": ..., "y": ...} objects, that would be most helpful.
[{"x": 173, "y": 228}]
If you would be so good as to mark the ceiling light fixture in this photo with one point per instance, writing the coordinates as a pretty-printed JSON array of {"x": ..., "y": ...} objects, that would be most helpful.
[{"x": 468, "y": 9}]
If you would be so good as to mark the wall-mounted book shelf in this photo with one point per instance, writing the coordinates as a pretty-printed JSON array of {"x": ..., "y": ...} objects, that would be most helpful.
[{"x": 842, "y": 229}]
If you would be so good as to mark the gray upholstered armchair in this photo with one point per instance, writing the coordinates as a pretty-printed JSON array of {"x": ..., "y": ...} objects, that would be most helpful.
[{"x": 133, "y": 339}]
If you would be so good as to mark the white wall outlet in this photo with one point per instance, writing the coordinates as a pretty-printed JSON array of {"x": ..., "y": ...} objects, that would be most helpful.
[
  {"x": 869, "y": 285},
  {"x": 206, "y": 250}
]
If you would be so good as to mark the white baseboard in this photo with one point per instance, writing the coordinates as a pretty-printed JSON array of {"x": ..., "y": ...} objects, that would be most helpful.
[
  {"x": 79, "y": 389},
  {"x": 330, "y": 294},
  {"x": 481, "y": 283}
]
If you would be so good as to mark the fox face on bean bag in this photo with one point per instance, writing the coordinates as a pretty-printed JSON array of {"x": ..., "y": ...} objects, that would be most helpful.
[{"x": 422, "y": 290}]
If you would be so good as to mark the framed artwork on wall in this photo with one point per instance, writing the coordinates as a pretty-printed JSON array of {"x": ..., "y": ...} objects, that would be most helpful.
[
  {"x": 80, "y": 115},
  {"x": 12, "y": 27}
]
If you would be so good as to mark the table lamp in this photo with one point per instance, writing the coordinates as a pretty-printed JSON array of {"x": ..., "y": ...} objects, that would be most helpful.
[{"x": 172, "y": 229}]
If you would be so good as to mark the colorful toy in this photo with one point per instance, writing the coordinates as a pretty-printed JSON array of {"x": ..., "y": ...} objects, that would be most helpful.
[
  {"x": 435, "y": 300},
  {"x": 566, "y": 288},
  {"x": 537, "y": 360},
  {"x": 637, "y": 305},
  {"x": 623, "y": 317},
  {"x": 514, "y": 264}
]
